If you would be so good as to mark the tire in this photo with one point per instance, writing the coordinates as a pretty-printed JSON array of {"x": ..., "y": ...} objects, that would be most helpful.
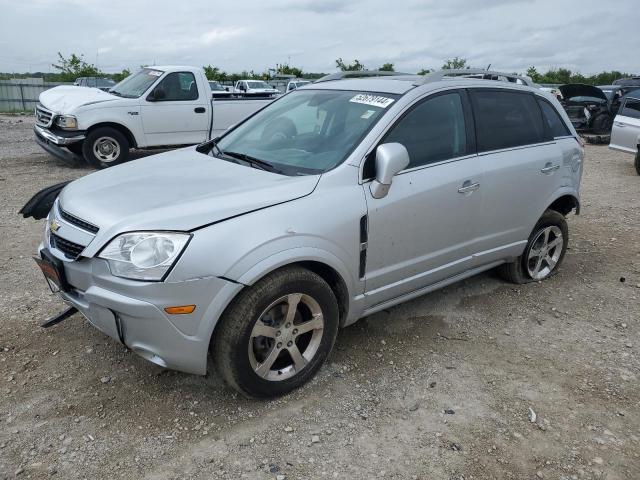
[
  {"x": 76, "y": 148},
  {"x": 105, "y": 147},
  {"x": 245, "y": 358},
  {"x": 637, "y": 162},
  {"x": 524, "y": 268},
  {"x": 602, "y": 124}
]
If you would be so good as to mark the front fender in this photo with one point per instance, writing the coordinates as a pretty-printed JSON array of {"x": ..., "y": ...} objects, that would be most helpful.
[{"x": 296, "y": 255}]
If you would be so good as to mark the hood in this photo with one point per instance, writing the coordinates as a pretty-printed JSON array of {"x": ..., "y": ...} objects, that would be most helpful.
[
  {"x": 572, "y": 90},
  {"x": 179, "y": 190},
  {"x": 66, "y": 98}
]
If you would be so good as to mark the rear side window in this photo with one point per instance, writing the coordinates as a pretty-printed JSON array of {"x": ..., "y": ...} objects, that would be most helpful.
[
  {"x": 432, "y": 131},
  {"x": 554, "y": 122},
  {"x": 506, "y": 119},
  {"x": 631, "y": 108}
]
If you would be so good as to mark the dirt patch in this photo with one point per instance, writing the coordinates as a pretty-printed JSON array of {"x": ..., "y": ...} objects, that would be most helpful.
[{"x": 439, "y": 387}]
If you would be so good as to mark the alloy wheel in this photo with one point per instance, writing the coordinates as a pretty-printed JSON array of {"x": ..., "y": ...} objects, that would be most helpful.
[
  {"x": 545, "y": 252},
  {"x": 286, "y": 337}
]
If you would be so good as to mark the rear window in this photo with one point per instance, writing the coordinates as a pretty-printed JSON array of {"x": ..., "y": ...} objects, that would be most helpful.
[
  {"x": 554, "y": 122},
  {"x": 631, "y": 108},
  {"x": 506, "y": 119}
]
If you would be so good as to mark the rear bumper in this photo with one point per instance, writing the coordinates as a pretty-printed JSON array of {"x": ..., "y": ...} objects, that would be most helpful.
[{"x": 52, "y": 144}]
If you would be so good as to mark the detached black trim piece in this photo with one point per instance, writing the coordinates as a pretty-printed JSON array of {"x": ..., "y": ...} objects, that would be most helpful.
[
  {"x": 51, "y": 321},
  {"x": 69, "y": 158},
  {"x": 40, "y": 204}
]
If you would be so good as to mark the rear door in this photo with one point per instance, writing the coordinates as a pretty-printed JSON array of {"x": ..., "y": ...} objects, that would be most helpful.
[
  {"x": 625, "y": 133},
  {"x": 522, "y": 169},
  {"x": 181, "y": 116},
  {"x": 425, "y": 229}
]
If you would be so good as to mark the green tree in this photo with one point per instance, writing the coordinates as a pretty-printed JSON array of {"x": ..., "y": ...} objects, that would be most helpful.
[
  {"x": 288, "y": 70},
  {"x": 212, "y": 73},
  {"x": 533, "y": 74},
  {"x": 424, "y": 71},
  {"x": 356, "y": 66},
  {"x": 73, "y": 67},
  {"x": 118, "y": 77},
  {"x": 386, "y": 67},
  {"x": 455, "y": 63}
]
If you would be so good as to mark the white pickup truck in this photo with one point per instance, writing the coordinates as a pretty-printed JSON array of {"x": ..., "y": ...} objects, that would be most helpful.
[
  {"x": 155, "y": 107},
  {"x": 256, "y": 88}
]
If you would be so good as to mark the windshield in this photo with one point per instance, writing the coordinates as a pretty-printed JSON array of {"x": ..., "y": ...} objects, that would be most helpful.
[
  {"x": 215, "y": 86},
  {"x": 104, "y": 82},
  {"x": 258, "y": 85},
  {"x": 308, "y": 131},
  {"x": 135, "y": 85}
]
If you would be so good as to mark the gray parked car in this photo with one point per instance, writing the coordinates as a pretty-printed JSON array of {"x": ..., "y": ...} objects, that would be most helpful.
[
  {"x": 625, "y": 134},
  {"x": 332, "y": 203}
]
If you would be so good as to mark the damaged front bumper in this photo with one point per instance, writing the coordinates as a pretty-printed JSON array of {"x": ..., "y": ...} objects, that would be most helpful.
[
  {"x": 132, "y": 312},
  {"x": 53, "y": 143}
]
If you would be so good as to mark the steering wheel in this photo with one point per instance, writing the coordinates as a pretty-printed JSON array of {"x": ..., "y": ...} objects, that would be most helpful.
[{"x": 279, "y": 131}]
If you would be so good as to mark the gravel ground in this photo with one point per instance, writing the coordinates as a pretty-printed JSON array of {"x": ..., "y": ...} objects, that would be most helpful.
[{"x": 437, "y": 388}]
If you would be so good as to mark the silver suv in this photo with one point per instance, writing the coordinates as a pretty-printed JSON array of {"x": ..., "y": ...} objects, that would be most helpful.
[{"x": 338, "y": 200}]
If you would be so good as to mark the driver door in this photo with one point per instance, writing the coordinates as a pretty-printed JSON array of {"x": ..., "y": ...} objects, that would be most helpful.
[
  {"x": 179, "y": 115},
  {"x": 426, "y": 228}
]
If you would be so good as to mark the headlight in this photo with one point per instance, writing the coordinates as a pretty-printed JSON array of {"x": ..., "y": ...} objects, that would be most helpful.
[
  {"x": 144, "y": 255},
  {"x": 68, "y": 122}
]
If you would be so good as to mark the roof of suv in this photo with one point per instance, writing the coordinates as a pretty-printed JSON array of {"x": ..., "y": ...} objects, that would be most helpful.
[{"x": 400, "y": 84}]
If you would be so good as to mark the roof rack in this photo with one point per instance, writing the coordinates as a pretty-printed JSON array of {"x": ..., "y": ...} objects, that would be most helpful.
[
  {"x": 476, "y": 73},
  {"x": 357, "y": 74}
]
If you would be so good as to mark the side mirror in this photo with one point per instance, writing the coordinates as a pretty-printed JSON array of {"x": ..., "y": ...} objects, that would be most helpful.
[
  {"x": 156, "y": 95},
  {"x": 391, "y": 158}
]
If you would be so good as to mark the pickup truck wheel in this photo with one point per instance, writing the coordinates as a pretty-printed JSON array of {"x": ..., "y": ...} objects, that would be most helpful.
[
  {"x": 105, "y": 147},
  {"x": 637, "y": 162},
  {"x": 544, "y": 251},
  {"x": 276, "y": 334}
]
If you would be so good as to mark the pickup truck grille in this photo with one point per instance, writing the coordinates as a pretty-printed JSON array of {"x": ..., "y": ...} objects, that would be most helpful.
[
  {"x": 44, "y": 116},
  {"x": 70, "y": 249},
  {"x": 73, "y": 220}
]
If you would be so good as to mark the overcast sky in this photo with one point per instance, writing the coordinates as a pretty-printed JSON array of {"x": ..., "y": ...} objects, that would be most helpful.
[{"x": 584, "y": 35}]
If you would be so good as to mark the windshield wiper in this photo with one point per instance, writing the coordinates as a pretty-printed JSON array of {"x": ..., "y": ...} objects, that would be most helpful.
[
  {"x": 116, "y": 93},
  {"x": 253, "y": 161}
]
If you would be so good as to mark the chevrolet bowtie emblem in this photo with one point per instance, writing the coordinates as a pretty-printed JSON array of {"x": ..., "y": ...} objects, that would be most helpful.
[{"x": 54, "y": 226}]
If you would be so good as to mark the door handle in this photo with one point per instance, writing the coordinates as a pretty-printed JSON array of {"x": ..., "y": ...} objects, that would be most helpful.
[
  {"x": 468, "y": 187},
  {"x": 618, "y": 124},
  {"x": 199, "y": 109},
  {"x": 548, "y": 168}
]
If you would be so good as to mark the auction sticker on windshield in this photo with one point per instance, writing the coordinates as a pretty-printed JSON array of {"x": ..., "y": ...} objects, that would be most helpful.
[
  {"x": 372, "y": 100},
  {"x": 155, "y": 73}
]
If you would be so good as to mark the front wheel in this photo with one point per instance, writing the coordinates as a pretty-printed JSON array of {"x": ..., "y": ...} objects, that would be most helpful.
[
  {"x": 105, "y": 147},
  {"x": 277, "y": 333},
  {"x": 544, "y": 252}
]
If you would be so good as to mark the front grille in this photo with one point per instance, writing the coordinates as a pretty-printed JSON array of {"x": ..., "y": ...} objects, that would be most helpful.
[
  {"x": 70, "y": 249},
  {"x": 44, "y": 116},
  {"x": 78, "y": 222}
]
